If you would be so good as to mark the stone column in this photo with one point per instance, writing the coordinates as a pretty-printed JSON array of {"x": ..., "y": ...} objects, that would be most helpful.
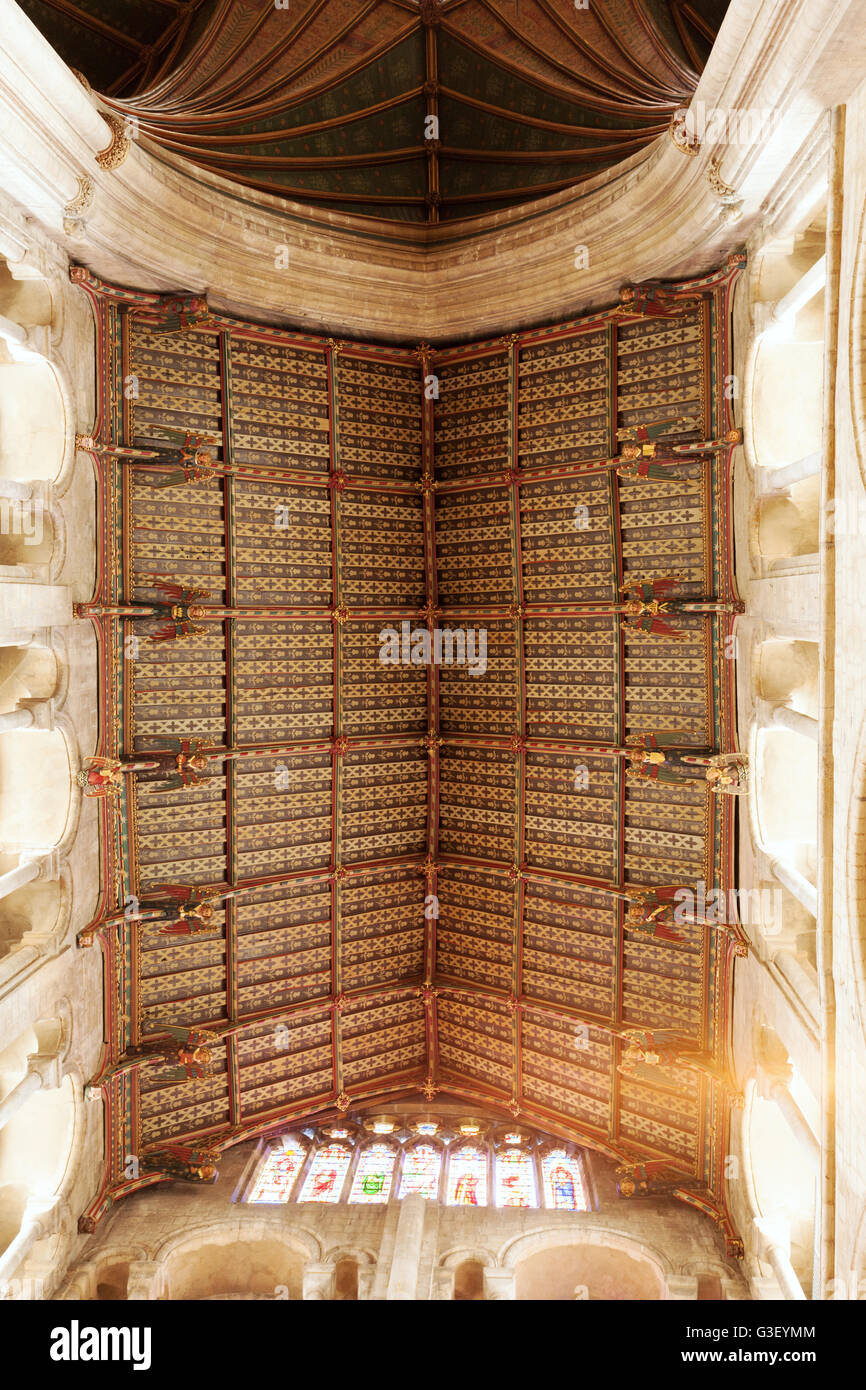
[
  {"x": 29, "y": 714},
  {"x": 35, "y": 1223},
  {"x": 787, "y": 718},
  {"x": 44, "y": 1073},
  {"x": 782, "y": 478},
  {"x": 499, "y": 1284},
  {"x": 319, "y": 1282},
  {"x": 144, "y": 1281},
  {"x": 774, "y": 1246},
  {"x": 774, "y": 1083},
  {"x": 13, "y": 333},
  {"x": 805, "y": 892},
  {"x": 805, "y": 289},
  {"x": 31, "y": 867},
  {"x": 407, "y": 1248}
]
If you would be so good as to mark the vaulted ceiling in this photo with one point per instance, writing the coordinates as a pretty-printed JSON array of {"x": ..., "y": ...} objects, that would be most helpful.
[
  {"x": 428, "y": 890},
  {"x": 329, "y": 102}
]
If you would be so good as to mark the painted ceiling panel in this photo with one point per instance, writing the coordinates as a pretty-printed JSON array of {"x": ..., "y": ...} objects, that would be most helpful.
[{"x": 421, "y": 865}]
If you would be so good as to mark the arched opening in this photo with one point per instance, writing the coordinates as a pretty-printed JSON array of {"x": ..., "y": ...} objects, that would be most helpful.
[
  {"x": 32, "y": 419},
  {"x": 258, "y": 1268},
  {"x": 787, "y": 796},
  {"x": 35, "y": 787},
  {"x": 469, "y": 1282},
  {"x": 27, "y": 302},
  {"x": 35, "y": 907},
  {"x": 111, "y": 1284},
  {"x": 35, "y": 1141},
  {"x": 787, "y": 673},
  {"x": 346, "y": 1285},
  {"x": 784, "y": 1174},
  {"x": 561, "y": 1273},
  {"x": 787, "y": 371}
]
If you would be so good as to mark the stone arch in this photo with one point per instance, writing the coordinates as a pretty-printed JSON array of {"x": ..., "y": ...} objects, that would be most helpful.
[
  {"x": 780, "y": 1176},
  {"x": 461, "y": 1253},
  {"x": 264, "y": 1257},
  {"x": 35, "y": 787},
  {"x": 786, "y": 782},
  {"x": 783, "y": 371},
  {"x": 26, "y": 302},
  {"x": 633, "y": 1264},
  {"x": 27, "y": 673},
  {"x": 35, "y": 422},
  {"x": 40, "y": 1142},
  {"x": 786, "y": 671}
]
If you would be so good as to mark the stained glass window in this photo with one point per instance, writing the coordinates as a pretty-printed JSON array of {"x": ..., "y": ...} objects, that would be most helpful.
[
  {"x": 277, "y": 1173},
  {"x": 325, "y": 1179},
  {"x": 563, "y": 1184},
  {"x": 372, "y": 1182},
  {"x": 515, "y": 1179},
  {"x": 467, "y": 1177},
  {"x": 421, "y": 1164}
]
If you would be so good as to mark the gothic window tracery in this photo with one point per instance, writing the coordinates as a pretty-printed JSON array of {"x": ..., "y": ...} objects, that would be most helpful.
[{"x": 452, "y": 1161}]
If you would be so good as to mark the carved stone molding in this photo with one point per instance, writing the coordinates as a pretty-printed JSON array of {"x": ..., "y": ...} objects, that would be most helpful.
[{"x": 118, "y": 148}]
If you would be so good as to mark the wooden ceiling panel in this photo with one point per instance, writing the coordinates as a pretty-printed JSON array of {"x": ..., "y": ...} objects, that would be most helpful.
[{"x": 422, "y": 863}]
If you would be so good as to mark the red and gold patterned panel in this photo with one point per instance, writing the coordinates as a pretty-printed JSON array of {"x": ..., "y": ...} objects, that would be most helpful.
[
  {"x": 568, "y": 954},
  {"x": 181, "y": 981},
  {"x": 381, "y": 549},
  {"x": 474, "y": 547},
  {"x": 283, "y": 680},
  {"x": 662, "y": 1116},
  {"x": 381, "y": 927},
  {"x": 282, "y": 544},
  {"x": 383, "y": 691},
  {"x": 178, "y": 537},
  {"x": 661, "y": 371},
  {"x": 379, "y": 417},
  {"x": 664, "y": 525},
  {"x": 478, "y": 790},
  {"x": 566, "y": 1068},
  {"x": 476, "y": 1041},
  {"x": 380, "y": 1040},
  {"x": 668, "y": 684},
  {"x": 174, "y": 379},
  {"x": 479, "y": 695},
  {"x": 475, "y": 929},
  {"x": 571, "y": 814},
  {"x": 471, "y": 416},
  {"x": 571, "y": 678},
  {"x": 180, "y": 836},
  {"x": 566, "y": 538},
  {"x": 280, "y": 405},
  {"x": 283, "y": 945},
  {"x": 666, "y": 831},
  {"x": 286, "y": 1063},
  {"x": 383, "y": 803},
  {"x": 563, "y": 399},
  {"x": 281, "y": 813},
  {"x": 179, "y": 688}
]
